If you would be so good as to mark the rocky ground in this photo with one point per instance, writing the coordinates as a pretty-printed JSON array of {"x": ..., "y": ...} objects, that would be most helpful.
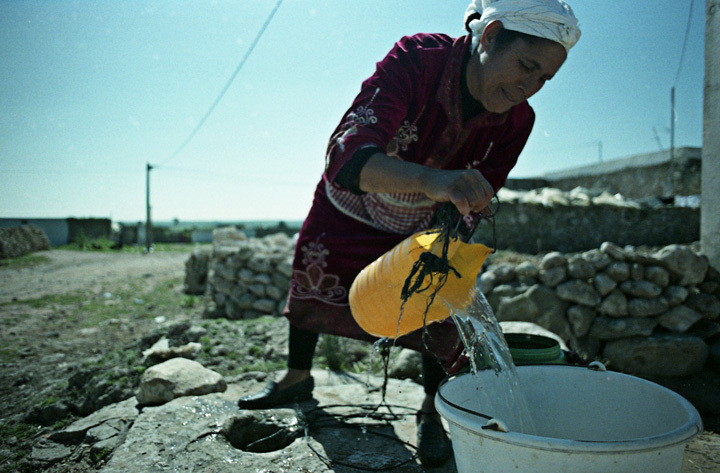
[
  {"x": 76, "y": 325},
  {"x": 67, "y": 318}
]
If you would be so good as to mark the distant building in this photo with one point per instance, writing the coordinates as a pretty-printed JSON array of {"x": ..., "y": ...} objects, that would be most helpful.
[
  {"x": 61, "y": 231},
  {"x": 642, "y": 176}
]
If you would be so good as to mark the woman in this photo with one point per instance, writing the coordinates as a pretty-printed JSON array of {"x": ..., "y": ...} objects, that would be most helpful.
[{"x": 441, "y": 120}]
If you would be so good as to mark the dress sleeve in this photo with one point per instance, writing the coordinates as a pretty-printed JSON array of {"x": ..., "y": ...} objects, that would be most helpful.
[
  {"x": 349, "y": 176},
  {"x": 379, "y": 108},
  {"x": 506, "y": 148}
]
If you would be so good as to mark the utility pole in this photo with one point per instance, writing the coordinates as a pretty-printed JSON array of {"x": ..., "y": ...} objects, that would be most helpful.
[
  {"x": 148, "y": 224},
  {"x": 672, "y": 123},
  {"x": 600, "y": 151}
]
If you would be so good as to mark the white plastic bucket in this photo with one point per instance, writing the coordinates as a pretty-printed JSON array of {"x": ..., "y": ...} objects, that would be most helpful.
[{"x": 586, "y": 421}]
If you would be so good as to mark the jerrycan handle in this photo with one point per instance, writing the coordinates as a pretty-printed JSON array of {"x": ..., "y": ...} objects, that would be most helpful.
[{"x": 449, "y": 216}]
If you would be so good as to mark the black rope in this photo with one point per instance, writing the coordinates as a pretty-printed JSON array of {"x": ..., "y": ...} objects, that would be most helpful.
[
  {"x": 335, "y": 422},
  {"x": 428, "y": 267},
  {"x": 490, "y": 217},
  {"x": 448, "y": 222},
  {"x": 362, "y": 411},
  {"x": 384, "y": 346},
  {"x": 429, "y": 264}
]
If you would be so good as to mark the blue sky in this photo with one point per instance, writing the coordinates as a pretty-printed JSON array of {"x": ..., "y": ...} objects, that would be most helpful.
[{"x": 93, "y": 90}]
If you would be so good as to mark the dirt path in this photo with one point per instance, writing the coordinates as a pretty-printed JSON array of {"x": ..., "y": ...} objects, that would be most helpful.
[
  {"x": 69, "y": 271},
  {"x": 67, "y": 311}
]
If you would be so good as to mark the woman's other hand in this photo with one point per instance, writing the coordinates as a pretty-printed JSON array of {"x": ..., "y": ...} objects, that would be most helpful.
[{"x": 467, "y": 189}]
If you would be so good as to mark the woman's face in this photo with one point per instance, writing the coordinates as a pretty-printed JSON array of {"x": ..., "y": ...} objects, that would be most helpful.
[{"x": 502, "y": 77}]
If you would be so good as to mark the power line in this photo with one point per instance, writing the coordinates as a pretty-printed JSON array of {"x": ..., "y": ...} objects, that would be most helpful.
[
  {"x": 149, "y": 167},
  {"x": 227, "y": 85},
  {"x": 687, "y": 33},
  {"x": 68, "y": 171}
]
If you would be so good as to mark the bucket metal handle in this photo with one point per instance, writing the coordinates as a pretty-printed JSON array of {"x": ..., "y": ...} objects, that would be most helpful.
[{"x": 497, "y": 425}]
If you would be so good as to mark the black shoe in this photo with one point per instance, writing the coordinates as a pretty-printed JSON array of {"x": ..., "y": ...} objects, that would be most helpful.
[
  {"x": 272, "y": 396},
  {"x": 434, "y": 448}
]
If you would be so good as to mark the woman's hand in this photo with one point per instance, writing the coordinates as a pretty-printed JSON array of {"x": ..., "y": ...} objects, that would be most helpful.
[{"x": 467, "y": 189}]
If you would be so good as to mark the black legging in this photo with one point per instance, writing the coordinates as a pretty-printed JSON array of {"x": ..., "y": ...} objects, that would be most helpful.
[{"x": 301, "y": 348}]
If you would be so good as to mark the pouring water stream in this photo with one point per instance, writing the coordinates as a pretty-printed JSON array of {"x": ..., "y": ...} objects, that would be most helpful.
[{"x": 486, "y": 348}]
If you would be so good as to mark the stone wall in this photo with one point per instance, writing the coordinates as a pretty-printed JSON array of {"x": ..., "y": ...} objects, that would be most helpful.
[
  {"x": 246, "y": 277},
  {"x": 657, "y": 174},
  {"x": 644, "y": 313},
  {"x": 578, "y": 220},
  {"x": 647, "y": 314},
  {"x": 19, "y": 241}
]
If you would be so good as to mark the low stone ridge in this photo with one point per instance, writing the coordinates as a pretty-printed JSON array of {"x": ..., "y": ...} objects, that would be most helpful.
[
  {"x": 647, "y": 314},
  {"x": 592, "y": 299}
]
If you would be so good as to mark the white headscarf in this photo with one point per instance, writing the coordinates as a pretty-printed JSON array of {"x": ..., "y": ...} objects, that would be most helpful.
[{"x": 550, "y": 19}]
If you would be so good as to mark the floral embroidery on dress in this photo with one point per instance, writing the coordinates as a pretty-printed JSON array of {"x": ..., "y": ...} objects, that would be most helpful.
[
  {"x": 363, "y": 115},
  {"x": 314, "y": 283},
  {"x": 405, "y": 135}
]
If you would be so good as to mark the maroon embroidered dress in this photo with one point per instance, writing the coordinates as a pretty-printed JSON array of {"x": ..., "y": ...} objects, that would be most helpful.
[{"x": 411, "y": 109}]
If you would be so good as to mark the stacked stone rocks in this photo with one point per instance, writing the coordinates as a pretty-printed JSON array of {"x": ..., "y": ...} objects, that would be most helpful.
[
  {"x": 196, "y": 271},
  {"x": 648, "y": 314},
  {"x": 248, "y": 277},
  {"x": 19, "y": 241},
  {"x": 655, "y": 314}
]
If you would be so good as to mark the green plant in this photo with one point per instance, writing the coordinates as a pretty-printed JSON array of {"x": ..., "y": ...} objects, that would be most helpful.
[
  {"x": 105, "y": 244},
  {"x": 82, "y": 241},
  {"x": 11, "y": 460},
  {"x": 19, "y": 431},
  {"x": 332, "y": 352},
  {"x": 190, "y": 301},
  {"x": 130, "y": 357},
  {"x": 25, "y": 261},
  {"x": 101, "y": 455},
  {"x": 54, "y": 299},
  {"x": 48, "y": 401},
  {"x": 58, "y": 425}
]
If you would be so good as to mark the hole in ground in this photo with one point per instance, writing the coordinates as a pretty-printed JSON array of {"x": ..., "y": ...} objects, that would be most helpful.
[{"x": 261, "y": 434}]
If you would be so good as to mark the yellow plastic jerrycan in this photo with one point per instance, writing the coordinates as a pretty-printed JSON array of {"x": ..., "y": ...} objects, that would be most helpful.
[{"x": 375, "y": 295}]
